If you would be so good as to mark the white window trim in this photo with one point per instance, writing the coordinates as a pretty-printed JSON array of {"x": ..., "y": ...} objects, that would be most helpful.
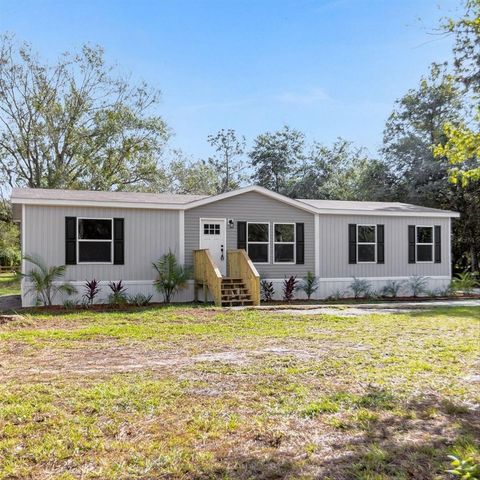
[
  {"x": 294, "y": 243},
  {"x": 417, "y": 243},
  {"x": 93, "y": 240},
  {"x": 260, "y": 243},
  {"x": 368, "y": 243}
]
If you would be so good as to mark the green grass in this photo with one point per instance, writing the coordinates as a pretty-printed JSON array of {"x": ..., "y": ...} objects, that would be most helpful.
[
  {"x": 9, "y": 284},
  {"x": 204, "y": 393}
]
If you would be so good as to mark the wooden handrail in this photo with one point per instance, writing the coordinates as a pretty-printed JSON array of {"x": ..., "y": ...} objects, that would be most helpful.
[
  {"x": 240, "y": 266},
  {"x": 208, "y": 274}
]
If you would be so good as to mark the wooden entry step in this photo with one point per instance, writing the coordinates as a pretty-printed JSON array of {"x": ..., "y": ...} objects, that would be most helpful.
[{"x": 235, "y": 293}]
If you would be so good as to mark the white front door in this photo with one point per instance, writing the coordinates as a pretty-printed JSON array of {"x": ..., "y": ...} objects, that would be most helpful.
[{"x": 213, "y": 235}]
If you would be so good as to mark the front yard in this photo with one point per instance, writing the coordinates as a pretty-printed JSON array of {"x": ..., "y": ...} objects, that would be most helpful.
[
  {"x": 186, "y": 392},
  {"x": 9, "y": 284}
]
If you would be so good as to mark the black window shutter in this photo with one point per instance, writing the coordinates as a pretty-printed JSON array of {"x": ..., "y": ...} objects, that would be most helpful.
[
  {"x": 300, "y": 238},
  {"x": 118, "y": 241},
  {"x": 70, "y": 240},
  {"x": 380, "y": 243},
  {"x": 242, "y": 235},
  {"x": 411, "y": 244},
  {"x": 352, "y": 243},
  {"x": 438, "y": 244}
]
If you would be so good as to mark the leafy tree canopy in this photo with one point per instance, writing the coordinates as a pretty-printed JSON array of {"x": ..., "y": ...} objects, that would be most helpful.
[
  {"x": 462, "y": 148},
  {"x": 75, "y": 124}
]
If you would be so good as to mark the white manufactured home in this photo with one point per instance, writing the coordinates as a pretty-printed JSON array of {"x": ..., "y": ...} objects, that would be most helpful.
[{"x": 231, "y": 239}]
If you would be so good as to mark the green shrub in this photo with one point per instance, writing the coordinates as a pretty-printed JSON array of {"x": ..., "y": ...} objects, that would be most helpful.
[
  {"x": 140, "y": 300},
  {"x": 43, "y": 280},
  {"x": 267, "y": 290},
  {"x": 360, "y": 288},
  {"x": 464, "y": 282},
  {"x": 69, "y": 304},
  {"x": 417, "y": 285},
  {"x": 392, "y": 288},
  {"x": 171, "y": 276},
  {"x": 119, "y": 293},
  {"x": 308, "y": 284},
  {"x": 336, "y": 295}
]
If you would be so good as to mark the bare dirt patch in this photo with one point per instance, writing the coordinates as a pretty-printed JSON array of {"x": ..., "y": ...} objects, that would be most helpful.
[{"x": 110, "y": 357}]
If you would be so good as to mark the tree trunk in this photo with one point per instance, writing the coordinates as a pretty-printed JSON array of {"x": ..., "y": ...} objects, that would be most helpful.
[{"x": 474, "y": 262}]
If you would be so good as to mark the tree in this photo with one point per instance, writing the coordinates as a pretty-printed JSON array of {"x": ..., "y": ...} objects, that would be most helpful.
[
  {"x": 186, "y": 176},
  {"x": 341, "y": 172},
  {"x": 462, "y": 147},
  {"x": 9, "y": 236},
  {"x": 74, "y": 124},
  {"x": 414, "y": 128},
  {"x": 275, "y": 157},
  {"x": 226, "y": 163}
]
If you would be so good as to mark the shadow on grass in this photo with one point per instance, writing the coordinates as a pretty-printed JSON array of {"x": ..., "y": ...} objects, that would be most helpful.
[{"x": 390, "y": 447}]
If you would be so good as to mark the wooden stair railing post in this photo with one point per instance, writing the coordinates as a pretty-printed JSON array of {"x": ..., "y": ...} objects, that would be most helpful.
[
  {"x": 207, "y": 273},
  {"x": 240, "y": 266}
]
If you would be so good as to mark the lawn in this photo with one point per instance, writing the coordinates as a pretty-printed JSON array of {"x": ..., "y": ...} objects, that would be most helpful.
[
  {"x": 195, "y": 393},
  {"x": 9, "y": 284}
]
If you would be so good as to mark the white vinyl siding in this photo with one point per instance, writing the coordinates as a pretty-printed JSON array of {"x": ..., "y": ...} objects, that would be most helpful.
[
  {"x": 333, "y": 247},
  {"x": 148, "y": 235}
]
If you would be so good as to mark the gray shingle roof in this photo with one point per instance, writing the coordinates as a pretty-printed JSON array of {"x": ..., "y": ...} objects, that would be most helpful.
[
  {"x": 369, "y": 206},
  {"x": 86, "y": 195},
  {"x": 173, "y": 201}
]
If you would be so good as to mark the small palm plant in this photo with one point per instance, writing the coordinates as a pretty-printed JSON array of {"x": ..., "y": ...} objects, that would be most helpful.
[
  {"x": 171, "y": 276},
  {"x": 392, "y": 288},
  {"x": 464, "y": 282},
  {"x": 309, "y": 284},
  {"x": 361, "y": 288},
  {"x": 44, "y": 280},
  {"x": 417, "y": 284}
]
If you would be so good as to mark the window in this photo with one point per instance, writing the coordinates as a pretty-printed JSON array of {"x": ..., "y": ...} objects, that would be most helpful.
[
  {"x": 95, "y": 243},
  {"x": 284, "y": 242},
  {"x": 424, "y": 237},
  {"x": 258, "y": 242},
  {"x": 211, "y": 229},
  {"x": 366, "y": 243}
]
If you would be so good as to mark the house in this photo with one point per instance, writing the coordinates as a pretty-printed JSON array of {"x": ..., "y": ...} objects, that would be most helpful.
[{"x": 231, "y": 238}]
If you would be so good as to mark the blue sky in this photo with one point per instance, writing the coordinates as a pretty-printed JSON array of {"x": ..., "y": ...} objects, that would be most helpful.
[{"x": 327, "y": 67}]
